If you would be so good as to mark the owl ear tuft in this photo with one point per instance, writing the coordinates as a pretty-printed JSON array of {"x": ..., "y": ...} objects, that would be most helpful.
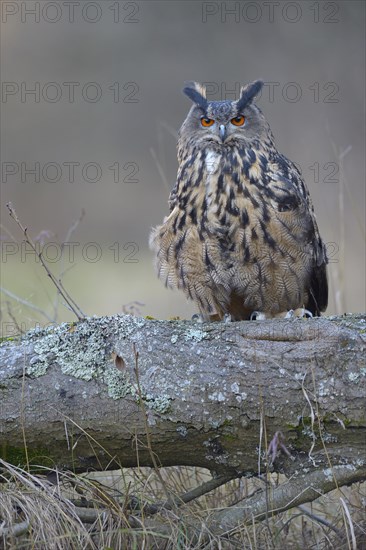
[
  {"x": 248, "y": 93},
  {"x": 196, "y": 93}
]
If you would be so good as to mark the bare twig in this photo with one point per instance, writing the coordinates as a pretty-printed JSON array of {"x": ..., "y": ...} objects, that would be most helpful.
[
  {"x": 349, "y": 523},
  {"x": 6, "y": 230},
  {"x": 12, "y": 317},
  {"x": 25, "y": 303},
  {"x": 172, "y": 131},
  {"x": 22, "y": 420},
  {"x": 73, "y": 228},
  {"x": 318, "y": 519},
  {"x": 160, "y": 169},
  {"x": 284, "y": 497},
  {"x": 70, "y": 302},
  {"x": 197, "y": 492},
  {"x": 312, "y": 418},
  {"x": 16, "y": 530},
  {"x": 276, "y": 445},
  {"x": 62, "y": 271},
  {"x": 133, "y": 308}
]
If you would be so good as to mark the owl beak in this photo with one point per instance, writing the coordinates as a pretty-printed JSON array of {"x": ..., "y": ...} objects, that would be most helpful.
[{"x": 222, "y": 132}]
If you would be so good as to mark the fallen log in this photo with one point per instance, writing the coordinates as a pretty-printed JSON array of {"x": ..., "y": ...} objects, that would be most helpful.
[{"x": 118, "y": 391}]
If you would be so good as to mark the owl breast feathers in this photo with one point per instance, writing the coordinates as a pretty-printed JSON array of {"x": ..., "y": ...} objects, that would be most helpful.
[{"x": 241, "y": 236}]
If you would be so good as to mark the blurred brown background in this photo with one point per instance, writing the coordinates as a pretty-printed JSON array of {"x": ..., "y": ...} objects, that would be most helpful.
[{"x": 107, "y": 79}]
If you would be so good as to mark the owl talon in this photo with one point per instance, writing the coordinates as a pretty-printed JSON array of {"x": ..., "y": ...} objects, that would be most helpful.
[
  {"x": 258, "y": 316},
  {"x": 300, "y": 313},
  {"x": 308, "y": 314},
  {"x": 227, "y": 318},
  {"x": 197, "y": 318}
]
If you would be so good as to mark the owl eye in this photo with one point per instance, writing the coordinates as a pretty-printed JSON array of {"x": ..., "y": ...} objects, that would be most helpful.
[
  {"x": 206, "y": 122},
  {"x": 238, "y": 120}
]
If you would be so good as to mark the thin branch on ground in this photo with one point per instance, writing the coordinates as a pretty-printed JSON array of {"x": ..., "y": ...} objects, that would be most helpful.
[
  {"x": 197, "y": 492},
  {"x": 321, "y": 520},
  {"x": 61, "y": 289},
  {"x": 284, "y": 497}
]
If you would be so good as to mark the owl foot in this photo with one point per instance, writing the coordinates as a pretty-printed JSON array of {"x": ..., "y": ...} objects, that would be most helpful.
[
  {"x": 258, "y": 316},
  {"x": 197, "y": 318},
  {"x": 299, "y": 313}
]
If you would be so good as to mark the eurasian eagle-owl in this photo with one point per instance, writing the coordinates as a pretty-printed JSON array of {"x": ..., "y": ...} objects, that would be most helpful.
[{"x": 241, "y": 238}]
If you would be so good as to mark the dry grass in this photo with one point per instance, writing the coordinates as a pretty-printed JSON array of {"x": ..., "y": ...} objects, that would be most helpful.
[{"x": 111, "y": 510}]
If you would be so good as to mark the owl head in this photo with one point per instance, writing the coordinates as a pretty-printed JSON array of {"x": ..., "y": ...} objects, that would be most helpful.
[{"x": 223, "y": 122}]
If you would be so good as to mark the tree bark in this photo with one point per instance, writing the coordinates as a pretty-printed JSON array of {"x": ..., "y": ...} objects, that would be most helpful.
[{"x": 210, "y": 395}]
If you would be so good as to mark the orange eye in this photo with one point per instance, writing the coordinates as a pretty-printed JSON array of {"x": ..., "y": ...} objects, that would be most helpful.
[
  {"x": 206, "y": 122},
  {"x": 238, "y": 120}
]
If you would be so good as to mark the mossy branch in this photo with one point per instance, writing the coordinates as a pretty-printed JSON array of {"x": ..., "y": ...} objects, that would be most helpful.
[{"x": 212, "y": 395}]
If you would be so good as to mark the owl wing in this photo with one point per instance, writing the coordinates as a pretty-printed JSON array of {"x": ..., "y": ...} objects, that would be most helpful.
[
  {"x": 289, "y": 192},
  {"x": 173, "y": 198}
]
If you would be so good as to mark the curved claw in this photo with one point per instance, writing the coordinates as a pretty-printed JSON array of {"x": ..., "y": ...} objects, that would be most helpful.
[
  {"x": 308, "y": 314},
  {"x": 299, "y": 313},
  {"x": 197, "y": 318},
  {"x": 290, "y": 314},
  {"x": 257, "y": 316}
]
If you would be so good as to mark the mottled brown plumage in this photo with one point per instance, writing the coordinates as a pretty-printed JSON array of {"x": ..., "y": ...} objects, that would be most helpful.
[{"x": 241, "y": 236}]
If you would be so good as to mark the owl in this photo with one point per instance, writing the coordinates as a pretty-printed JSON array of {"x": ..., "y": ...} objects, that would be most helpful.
[{"x": 241, "y": 239}]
